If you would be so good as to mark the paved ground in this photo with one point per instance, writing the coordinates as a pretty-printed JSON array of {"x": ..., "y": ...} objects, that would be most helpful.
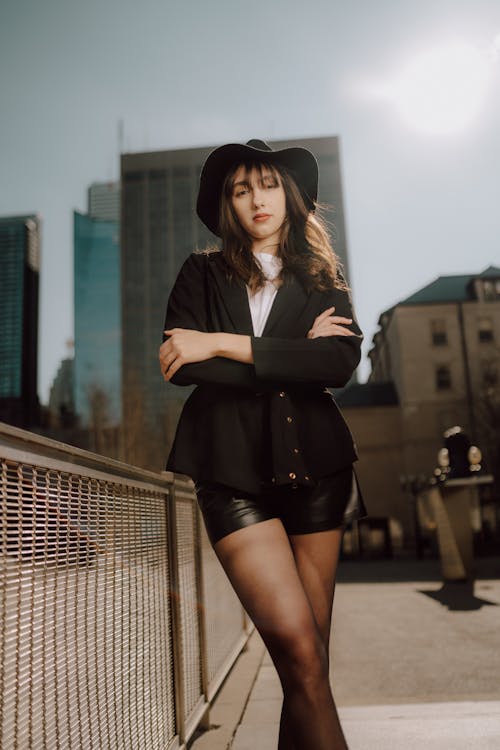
[{"x": 415, "y": 664}]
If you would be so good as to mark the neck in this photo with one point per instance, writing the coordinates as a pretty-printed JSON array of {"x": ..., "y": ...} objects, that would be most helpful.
[{"x": 260, "y": 246}]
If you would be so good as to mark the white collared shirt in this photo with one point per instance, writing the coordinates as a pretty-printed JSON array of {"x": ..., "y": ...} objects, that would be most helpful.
[{"x": 261, "y": 302}]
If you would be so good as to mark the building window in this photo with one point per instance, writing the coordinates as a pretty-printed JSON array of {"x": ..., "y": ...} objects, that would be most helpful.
[
  {"x": 438, "y": 333},
  {"x": 443, "y": 378},
  {"x": 491, "y": 290},
  {"x": 489, "y": 371},
  {"x": 485, "y": 330}
]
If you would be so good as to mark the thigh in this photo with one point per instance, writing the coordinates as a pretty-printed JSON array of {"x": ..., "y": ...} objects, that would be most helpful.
[
  {"x": 316, "y": 556},
  {"x": 260, "y": 564}
]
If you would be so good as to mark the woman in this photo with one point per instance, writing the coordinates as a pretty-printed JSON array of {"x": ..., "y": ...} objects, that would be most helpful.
[{"x": 263, "y": 327}]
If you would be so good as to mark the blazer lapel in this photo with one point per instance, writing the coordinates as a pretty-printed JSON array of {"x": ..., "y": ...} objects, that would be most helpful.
[
  {"x": 233, "y": 295},
  {"x": 284, "y": 301},
  {"x": 288, "y": 303}
]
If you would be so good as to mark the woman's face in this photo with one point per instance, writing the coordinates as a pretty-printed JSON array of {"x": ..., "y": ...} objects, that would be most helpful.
[{"x": 259, "y": 202}]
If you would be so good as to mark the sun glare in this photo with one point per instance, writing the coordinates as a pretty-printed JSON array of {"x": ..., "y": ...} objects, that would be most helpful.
[{"x": 444, "y": 89}]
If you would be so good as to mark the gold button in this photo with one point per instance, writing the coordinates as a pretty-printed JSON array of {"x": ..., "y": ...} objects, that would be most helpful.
[
  {"x": 306, "y": 477},
  {"x": 295, "y": 450},
  {"x": 288, "y": 419},
  {"x": 292, "y": 475},
  {"x": 282, "y": 394},
  {"x": 294, "y": 485}
]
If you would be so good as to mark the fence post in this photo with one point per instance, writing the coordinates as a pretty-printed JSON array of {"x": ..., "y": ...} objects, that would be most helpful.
[
  {"x": 202, "y": 630},
  {"x": 180, "y": 714}
]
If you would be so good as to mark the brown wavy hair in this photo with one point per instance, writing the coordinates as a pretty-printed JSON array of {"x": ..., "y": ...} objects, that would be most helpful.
[{"x": 304, "y": 245}]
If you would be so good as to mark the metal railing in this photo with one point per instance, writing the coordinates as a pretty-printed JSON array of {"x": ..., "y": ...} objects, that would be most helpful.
[{"x": 118, "y": 624}]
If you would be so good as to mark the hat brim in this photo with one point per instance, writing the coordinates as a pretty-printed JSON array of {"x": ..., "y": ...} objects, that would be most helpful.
[{"x": 299, "y": 161}]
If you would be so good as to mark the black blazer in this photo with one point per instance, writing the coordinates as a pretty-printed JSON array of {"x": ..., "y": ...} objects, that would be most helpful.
[{"x": 272, "y": 420}]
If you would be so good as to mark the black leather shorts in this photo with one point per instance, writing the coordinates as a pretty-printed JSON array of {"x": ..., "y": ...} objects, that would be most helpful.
[{"x": 333, "y": 502}]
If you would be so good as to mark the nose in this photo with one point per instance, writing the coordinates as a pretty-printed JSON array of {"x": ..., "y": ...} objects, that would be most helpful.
[{"x": 258, "y": 196}]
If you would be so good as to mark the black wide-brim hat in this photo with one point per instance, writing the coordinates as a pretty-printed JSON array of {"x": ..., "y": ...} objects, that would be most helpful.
[{"x": 300, "y": 162}]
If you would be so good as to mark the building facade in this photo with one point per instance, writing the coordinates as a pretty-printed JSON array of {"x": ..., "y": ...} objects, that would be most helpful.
[
  {"x": 104, "y": 201},
  {"x": 97, "y": 339},
  {"x": 159, "y": 229},
  {"x": 19, "y": 283},
  {"x": 439, "y": 351},
  {"x": 441, "y": 348}
]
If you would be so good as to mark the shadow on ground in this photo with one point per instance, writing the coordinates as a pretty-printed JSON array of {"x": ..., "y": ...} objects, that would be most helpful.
[{"x": 458, "y": 596}]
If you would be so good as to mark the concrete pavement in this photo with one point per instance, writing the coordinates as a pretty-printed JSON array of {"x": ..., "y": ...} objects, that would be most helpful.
[{"x": 415, "y": 664}]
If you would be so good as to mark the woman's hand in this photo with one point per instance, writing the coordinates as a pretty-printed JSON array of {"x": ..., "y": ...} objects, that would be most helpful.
[
  {"x": 183, "y": 346},
  {"x": 327, "y": 324}
]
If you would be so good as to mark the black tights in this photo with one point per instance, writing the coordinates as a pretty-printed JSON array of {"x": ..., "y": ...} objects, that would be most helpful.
[{"x": 286, "y": 585}]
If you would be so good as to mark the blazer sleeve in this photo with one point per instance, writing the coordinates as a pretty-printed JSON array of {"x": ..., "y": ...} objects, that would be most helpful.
[
  {"x": 329, "y": 360},
  {"x": 186, "y": 308}
]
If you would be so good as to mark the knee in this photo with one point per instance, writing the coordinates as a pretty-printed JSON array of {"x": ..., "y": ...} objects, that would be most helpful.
[{"x": 302, "y": 659}]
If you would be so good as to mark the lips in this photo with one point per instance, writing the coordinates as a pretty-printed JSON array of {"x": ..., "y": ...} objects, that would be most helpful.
[{"x": 261, "y": 217}]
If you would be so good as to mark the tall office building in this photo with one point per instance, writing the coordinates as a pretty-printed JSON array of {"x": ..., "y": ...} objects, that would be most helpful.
[
  {"x": 19, "y": 275},
  {"x": 159, "y": 229},
  {"x": 97, "y": 366},
  {"x": 104, "y": 201}
]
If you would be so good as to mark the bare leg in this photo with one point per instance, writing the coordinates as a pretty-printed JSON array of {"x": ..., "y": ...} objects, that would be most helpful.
[
  {"x": 316, "y": 556},
  {"x": 261, "y": 566}
]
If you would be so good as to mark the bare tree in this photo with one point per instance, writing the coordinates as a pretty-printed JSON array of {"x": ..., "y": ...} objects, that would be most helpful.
[{"x": 103, "y": 435}]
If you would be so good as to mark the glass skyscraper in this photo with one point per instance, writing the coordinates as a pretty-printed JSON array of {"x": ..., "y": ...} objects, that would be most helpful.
[
  {"x": 97, "y": 368},
  {"x": 19, "y": 279}
]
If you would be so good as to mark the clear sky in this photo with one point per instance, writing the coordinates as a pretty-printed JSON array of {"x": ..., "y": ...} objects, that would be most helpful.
[{"x": 412, "y": 90}]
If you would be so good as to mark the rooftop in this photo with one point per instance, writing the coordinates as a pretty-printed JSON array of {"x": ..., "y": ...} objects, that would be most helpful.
[
  {"x": 368, "y": 394},
  {"x": 450, "y": 288}
]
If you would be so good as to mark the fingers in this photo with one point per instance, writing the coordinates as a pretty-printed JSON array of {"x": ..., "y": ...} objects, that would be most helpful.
[
  {"x": 166, "y": 364},
  {"x": 167, "y": 374},
  {"x": 329, "y": 328},
  {"x": 170, "y": 359},
  {"x": 325, "y": 314},
  {"x": 332, "y": 332},
  {"x": 171, "y": 368},
  {"x": 323, "y": 325},
  {"x": 328, "y": 314},
  {"x": 339, "y": 319}
]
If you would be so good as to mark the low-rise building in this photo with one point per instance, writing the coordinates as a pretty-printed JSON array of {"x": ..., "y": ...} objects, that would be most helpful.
[{"x": 440, "y": 350}]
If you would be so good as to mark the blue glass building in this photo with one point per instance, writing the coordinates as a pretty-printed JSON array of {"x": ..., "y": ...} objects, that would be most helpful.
[
  {"x": 19, "y": 278},
  {"x": 97, "y": 373}
]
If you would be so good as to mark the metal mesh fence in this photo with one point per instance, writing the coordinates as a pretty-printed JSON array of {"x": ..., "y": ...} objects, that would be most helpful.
[
  {"x": 188, "y": 600},
  {"x": 103, "y": 637},
  {"x": 85, "y": 613}
]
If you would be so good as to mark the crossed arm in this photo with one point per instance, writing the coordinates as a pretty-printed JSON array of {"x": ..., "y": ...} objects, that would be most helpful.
[
  {"x": 188, "y": 346},
  {"x": 191, "y": 355}
]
